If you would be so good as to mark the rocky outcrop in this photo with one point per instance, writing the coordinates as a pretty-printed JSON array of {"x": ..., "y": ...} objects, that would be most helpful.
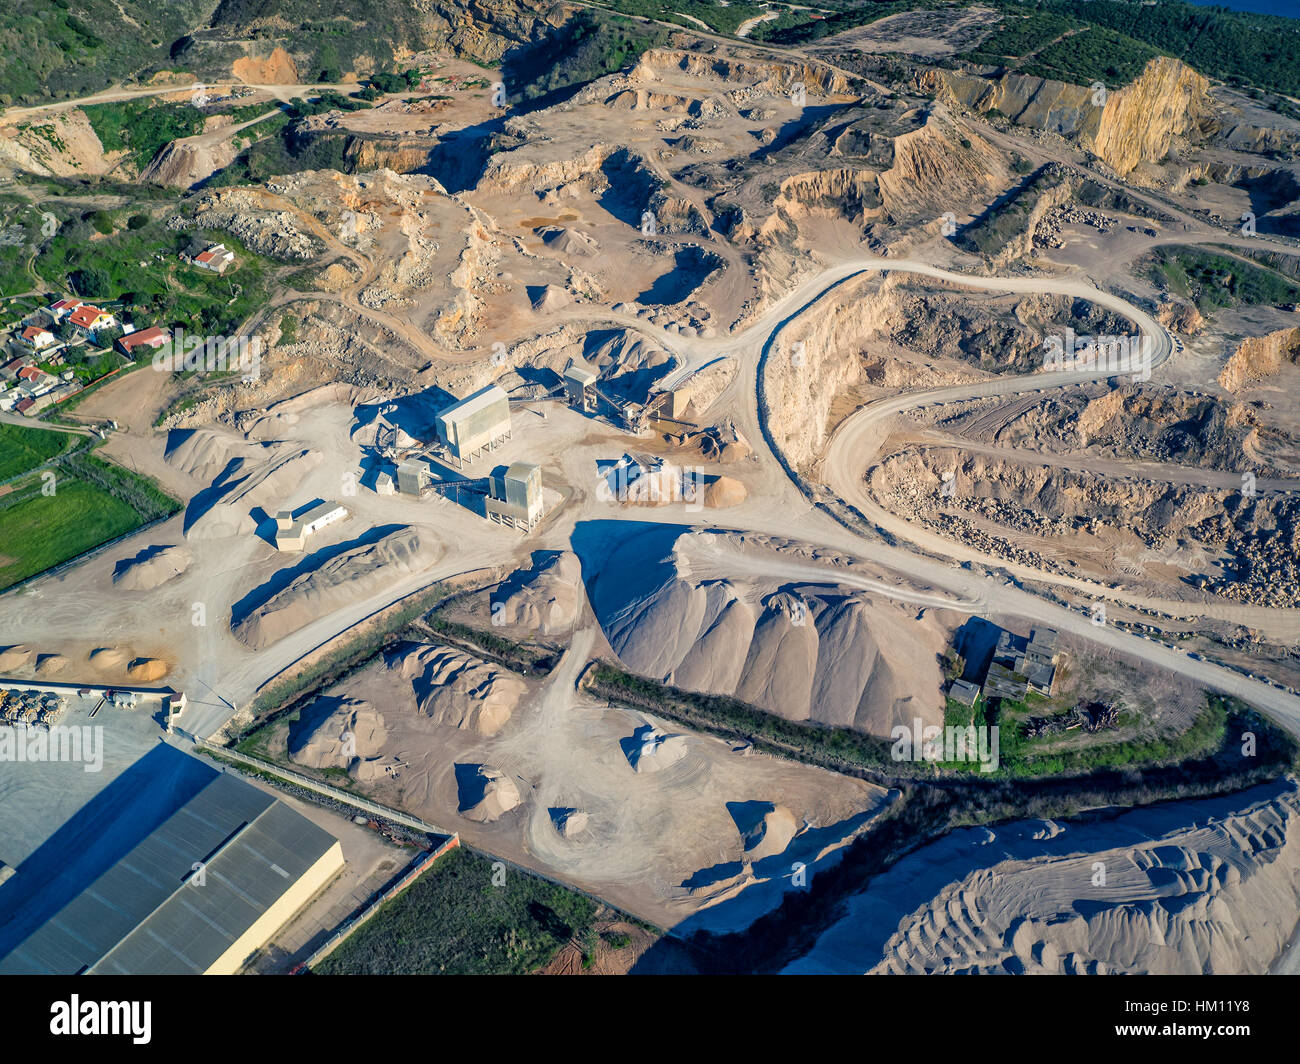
[
  {"x": 1258, "y": 357},
  {"x": 1132, "y": 125}
]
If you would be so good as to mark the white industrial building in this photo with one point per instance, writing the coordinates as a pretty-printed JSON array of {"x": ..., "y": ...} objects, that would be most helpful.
[
  {"x": 291, "y": 533},
  {"x": 476, "y": 424}
]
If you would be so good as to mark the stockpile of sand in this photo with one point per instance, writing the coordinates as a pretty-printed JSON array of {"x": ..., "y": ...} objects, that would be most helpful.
[
  {"x": 766, "y": 830},
  {"x": 146, "y": 670},
  {"x": 347, "y": 733},
  {"x": 455, "y": 688},
  {"x": 343, "y": 580},
  {"x": 568, "y": 241},
  {"x": 1204, "y": 887},
  {"x": 486, "y": 793},
  {"x": 548, "y": 298},
  {"x": 545, "y": 597},
  {"x": 111, "y": 659},
  {"x": 806, "y": 653},
  {"x": 152, "y": 567},
  {"x": 243, "y": 476},
  {"x": 18, "y": 656},
  {"x": 724, "y": 491},
  {"x": 569, "y": 822},
  {"x": 650, "y": 750},
  {"x": 51, "y": 664}
]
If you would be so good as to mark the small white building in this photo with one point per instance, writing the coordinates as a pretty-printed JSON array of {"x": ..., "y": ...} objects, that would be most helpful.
[{"x": 291, "y": 533}]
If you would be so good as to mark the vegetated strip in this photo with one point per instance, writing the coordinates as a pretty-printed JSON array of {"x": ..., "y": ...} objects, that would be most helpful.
[{"x": 868, "y": 757}]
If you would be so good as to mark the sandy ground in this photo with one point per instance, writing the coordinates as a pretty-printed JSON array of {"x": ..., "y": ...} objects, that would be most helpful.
[{"x": 1210, "y": 883}]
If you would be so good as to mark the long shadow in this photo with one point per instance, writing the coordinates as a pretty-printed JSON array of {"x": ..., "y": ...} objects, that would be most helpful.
[
  {"x": 104, "y": 830},
  {"x": 691, "y": 265},
  {"x": 282, "y": 578},
  {"x": 792, "y": 130},
  {"x": 623, "y": 561},
  {"x": 976, "y": 640}
]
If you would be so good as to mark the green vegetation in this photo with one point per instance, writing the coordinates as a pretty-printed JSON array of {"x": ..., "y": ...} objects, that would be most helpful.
[
  {"x": 142, "y": 126},
  {"x": 140, "y": 268},
  {"x": 453, "y": 920},
  {"x": 1218, "y": 281},
  {"x": 586, "y": 47},
  {"x": 845, "y": 750},
  {"x": 789, "y": 29},
  {"x": 45, "y": 522},
  {"x": 22, "y": 449},
  {"x": 1008, "y": 217},
  {"x": 1082, "y": 41},
  {"x": 720, "y": 18}
]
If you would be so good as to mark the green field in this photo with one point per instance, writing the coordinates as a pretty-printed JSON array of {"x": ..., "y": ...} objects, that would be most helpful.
[
  {"x": 92, "y": 502},
  {"x": 22, "y": 448},
  {"x": 453, "y": 921}
]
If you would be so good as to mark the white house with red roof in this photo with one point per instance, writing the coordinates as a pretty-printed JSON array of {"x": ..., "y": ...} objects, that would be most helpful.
[
  {"x": 36, "y": 338},
  {"x": 215, "y": 258},
  {"x": 152, "y": 337},
  {"x": 89, "y": 319}
]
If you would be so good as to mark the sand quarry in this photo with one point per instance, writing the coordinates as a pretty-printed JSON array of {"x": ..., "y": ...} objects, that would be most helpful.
[
  {"x": 1207, "y": 887},
  {"x": 678, "y": 828}
]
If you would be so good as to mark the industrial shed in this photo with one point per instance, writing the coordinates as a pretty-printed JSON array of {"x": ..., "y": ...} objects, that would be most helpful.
[
  {"x": 197, "y": 896},
  {"x": 477, "y": 423}
]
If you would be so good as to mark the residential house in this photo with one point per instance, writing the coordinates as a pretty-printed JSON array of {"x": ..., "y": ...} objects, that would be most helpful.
[
  {"x": 152, "y": 337},
  {"x": 36, "y": 338},
  {"x": 215, "y": 257},
  {"x": 88, "y": 319}
]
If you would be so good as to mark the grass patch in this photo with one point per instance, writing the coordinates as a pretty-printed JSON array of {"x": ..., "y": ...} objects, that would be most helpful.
[
  {"x": 142, "y": 127},
  {"x": 1215, "y": 282},
  {"x": 22, "y": 448},
  {"x": 454, "y": 921},
  {"x": 93, "y": 502}
]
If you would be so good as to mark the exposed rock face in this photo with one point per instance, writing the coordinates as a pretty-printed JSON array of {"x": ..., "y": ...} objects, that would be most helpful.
[
  {"x": 545, "y": 598},
  {"x": 1140, "y": 122},
  {"x": 184, "y": 163},
  {"x": 1258, "y": 357},
  {"x": 244, "y": 214},
  {"x": 346, "y": 733},
  {"x": 276, "y": 69},
  {"x": 802, "y": 653},
  {"x": 1136, "y": 124},
  {"x": 64, "y": 144},
  {"x": 1180, "y": 316},
  {"x": 457, "y": 689},
  {"x": 346, "y": 578},
  {"x": 1260, "y": 534}
]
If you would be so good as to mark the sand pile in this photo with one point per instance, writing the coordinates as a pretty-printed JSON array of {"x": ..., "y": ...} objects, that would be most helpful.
[
  {"x": 146, "y": 670},
  {"x": 838, "y": 657},
  {"x": 650, "y": 750},
  {"x": 111, "y": 658},
  {"x": 18, "y": 656},
  {"x": 569, "y": 822},
  {"x": 1205, "y": 887},
  {"x": 51, "y": 664},
  {"x": 244, "y": 476},
  {"x": 568, "y": 241},
  {"x": 345, "y": 579},
  {"x": 486, "y": 793},
  {"x": 455, "y": 688},
  {"x": 347, "y": 733},
  {"x": 152, "y": 567},
  {"x": 724, "y": 491},
  {"x": 765, "y": 829},
  {"x": 545, "y": 597},
  {"x": 549, "y": 297}
]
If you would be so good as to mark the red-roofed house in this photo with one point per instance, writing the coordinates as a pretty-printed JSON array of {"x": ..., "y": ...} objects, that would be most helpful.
[
  {"x": 90, "y": 318},
  {"x": 216, "y": 258},
  {"x": 36, "y": 338},
  {"x": 63, "y": 308},
  {"x": 153, "y": 337}
]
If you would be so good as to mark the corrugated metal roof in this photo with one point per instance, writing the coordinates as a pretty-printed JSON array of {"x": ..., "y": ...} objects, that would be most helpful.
[
  {"x": 472, "y": 404},
  {"x": 148, "y": 913}
]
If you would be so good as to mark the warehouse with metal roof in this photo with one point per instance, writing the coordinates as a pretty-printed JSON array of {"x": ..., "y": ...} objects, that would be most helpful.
[{"x": 211, "y": 885}]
